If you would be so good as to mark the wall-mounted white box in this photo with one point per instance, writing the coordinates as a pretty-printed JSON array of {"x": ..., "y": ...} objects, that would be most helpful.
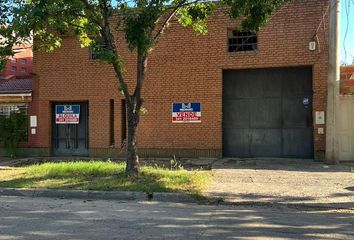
[
  {"x": 33, "y": 121},
  {"x": 320, "y": 130},
  {"x": 320, "y": 117},
  {"x": 312, "y": 45}
]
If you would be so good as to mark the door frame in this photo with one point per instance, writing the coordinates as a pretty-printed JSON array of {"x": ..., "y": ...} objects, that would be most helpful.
[{"x": 52, "y": 119}]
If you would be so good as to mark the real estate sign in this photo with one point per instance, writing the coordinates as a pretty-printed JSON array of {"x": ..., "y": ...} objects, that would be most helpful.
[
  {"x": 67, "y": 114},
  {"x": 186, "y": 113}
]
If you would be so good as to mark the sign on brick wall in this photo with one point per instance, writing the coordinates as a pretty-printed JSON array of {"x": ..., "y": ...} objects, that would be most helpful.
[
  {"x": 67, "y": 114},
  {"x": 186, "y": 113}
]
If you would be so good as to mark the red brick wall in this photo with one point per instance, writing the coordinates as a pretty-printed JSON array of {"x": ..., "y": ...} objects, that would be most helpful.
[
  {"x": 182, "y": 67},
  {"x": 346, "y": 83}
]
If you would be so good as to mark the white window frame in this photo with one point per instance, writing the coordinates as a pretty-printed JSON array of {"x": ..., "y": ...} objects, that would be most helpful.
[{"x": 7, "y": 109}]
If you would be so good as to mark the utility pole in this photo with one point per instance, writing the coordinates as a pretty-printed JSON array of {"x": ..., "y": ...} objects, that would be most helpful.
[{"x": 333, "y": 82}]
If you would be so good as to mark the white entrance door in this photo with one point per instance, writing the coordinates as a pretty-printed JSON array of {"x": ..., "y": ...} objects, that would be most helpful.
[{"x": 346, "y": 128}]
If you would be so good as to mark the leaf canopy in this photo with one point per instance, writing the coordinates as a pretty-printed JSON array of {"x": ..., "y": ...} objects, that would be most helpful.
[{"x": 94, "y": 21}]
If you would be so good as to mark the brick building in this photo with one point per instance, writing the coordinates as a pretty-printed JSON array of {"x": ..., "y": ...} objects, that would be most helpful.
[
  {"x": 16, "y": 95},
  {"x": 259, "y": 94},
  {"x": 20, "y": 65}
]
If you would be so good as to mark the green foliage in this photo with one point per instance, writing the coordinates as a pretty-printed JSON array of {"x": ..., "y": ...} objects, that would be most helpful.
[
  {"x": 93, "y": 21},
  {"x": 49, "y": 41},
  {"x": 5, "y": 45},
  {"x": 143, "y": 110},
  {"x": 139, "y": 24},
  {"x": 68, "y": 169},
  {"x": 122, "y": 87},
  {"x": 2, "y": 63},
  {"x": 196, "y": 15},
  {"x": 13, "y": 130},
  {"x": 175, "y": 165},
  {"x": 256, "y": 13}
]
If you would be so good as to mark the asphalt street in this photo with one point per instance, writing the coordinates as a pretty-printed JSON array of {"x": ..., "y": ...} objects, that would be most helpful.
[{"x": 47, "y": 218}]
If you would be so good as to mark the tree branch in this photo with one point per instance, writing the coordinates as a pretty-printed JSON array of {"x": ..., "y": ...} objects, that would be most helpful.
[
  {"x": 163, "y": 26},
  {"x": 109, "y": 42},
  {"x": 88, "y": 5},
  {"x": 74, "y": 25},
  {"x": 172, "y": 13},
  {"x": 140, "y": 74},
  {"x": 92, "y": 10},
  {"x": 152, "y": 2}
]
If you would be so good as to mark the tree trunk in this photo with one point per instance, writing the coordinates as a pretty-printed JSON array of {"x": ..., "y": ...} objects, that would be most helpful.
[
  {"x": 132, "y": 150},
  {"x": 133, "y": 102},
  {"x": 133, "y": 108}
]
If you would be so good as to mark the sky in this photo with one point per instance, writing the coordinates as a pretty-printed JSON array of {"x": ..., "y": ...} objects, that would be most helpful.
[{"x": 347, "y": 43}]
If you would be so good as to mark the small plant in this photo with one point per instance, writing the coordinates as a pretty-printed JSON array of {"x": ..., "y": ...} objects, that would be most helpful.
[
  {"x": 13, "y": 130},
  {"x": 175, "y": 165}
]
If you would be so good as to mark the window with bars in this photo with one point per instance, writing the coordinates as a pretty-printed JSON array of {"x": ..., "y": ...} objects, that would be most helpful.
[
  {"x": 111, "y": 122},
  {"x": 6, "y": 110},
  {"x": 96, "y": 52},
  {"x": 241, "y": 41}
]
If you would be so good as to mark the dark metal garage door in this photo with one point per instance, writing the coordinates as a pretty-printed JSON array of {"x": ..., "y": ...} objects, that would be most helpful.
[{"x": 268, "y": 112}]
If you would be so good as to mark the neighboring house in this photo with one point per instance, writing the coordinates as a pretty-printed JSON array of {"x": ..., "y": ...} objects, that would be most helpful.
[
  {"x": 20, "y": 65},
  {"x": 347, "y": 79},
  {"x": 15, "y": 95},
  {"x": 345, "y": 113},
  {"x": 258, "y": 94},
  {"x": 14, "y": 90}
]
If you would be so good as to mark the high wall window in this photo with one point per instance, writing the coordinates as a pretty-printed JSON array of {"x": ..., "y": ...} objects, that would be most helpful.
[
  {"x": 241, "y": 41},
  {"x": 23, "y": 61},
  {"x": 19, "y": 114},
  {"x": 96, "y": 52},
  {"x": 111, "y": 122},
  {"x": 123, "y": 122}
]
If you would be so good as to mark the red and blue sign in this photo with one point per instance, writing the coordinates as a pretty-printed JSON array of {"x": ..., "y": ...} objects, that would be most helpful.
[
  {"x": 67, "y": 114},
  {"x": 186, "y": 113}
]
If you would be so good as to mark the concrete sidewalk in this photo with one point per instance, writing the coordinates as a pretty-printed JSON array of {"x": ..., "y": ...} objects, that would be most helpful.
[
  {"x": 299, "y": 182},
  {"x": 283, "y": 182}
]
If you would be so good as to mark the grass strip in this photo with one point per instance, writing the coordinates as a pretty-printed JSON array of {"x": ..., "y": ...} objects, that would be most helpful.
[{"x": 105, "y": 175}]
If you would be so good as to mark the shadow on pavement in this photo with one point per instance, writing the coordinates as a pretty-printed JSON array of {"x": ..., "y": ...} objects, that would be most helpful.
[{"x": 284, "y": 164}]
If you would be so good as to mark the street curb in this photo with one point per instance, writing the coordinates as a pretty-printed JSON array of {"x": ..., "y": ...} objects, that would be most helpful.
[
  {"x": 98, "y": 195},
  {"x": 298, "y": 206},
  {"x": 157, "y": 197}
]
